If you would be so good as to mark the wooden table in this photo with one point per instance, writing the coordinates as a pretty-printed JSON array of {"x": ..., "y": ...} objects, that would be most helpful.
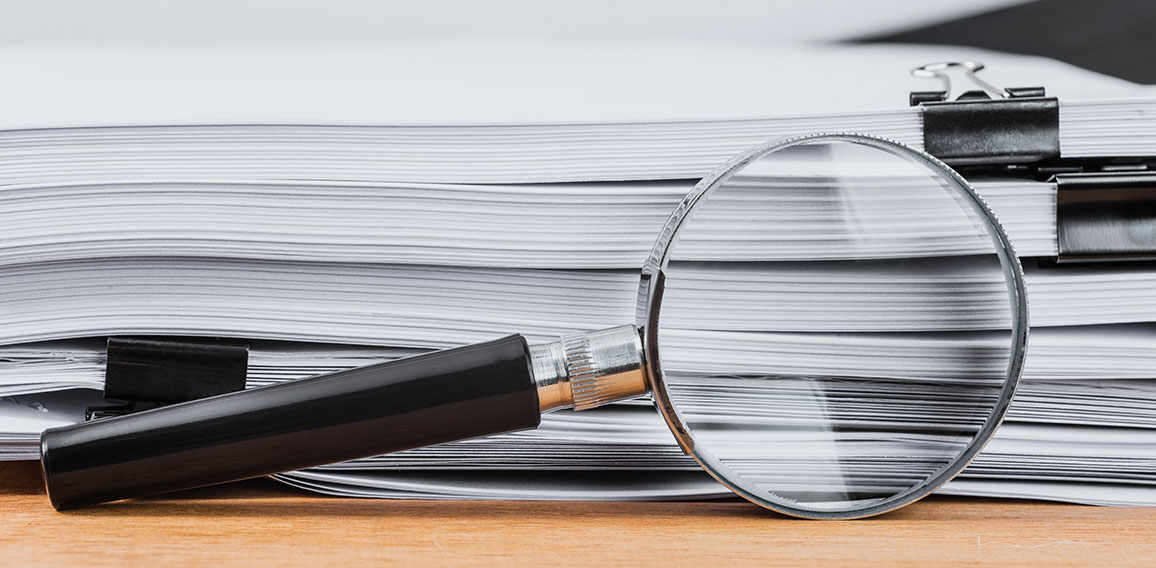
[{"x": 263, "y": 523}]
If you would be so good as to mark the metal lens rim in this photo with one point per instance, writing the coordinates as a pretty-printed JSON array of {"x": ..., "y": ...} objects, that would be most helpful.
[{"x": 650, "y": 294}]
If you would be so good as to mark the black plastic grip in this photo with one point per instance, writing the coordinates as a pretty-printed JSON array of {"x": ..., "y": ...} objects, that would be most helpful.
[{"x": 429, "y": 399}]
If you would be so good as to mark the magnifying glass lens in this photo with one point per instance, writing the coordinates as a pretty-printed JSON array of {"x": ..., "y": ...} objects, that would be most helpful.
[{"x": 838, "y": 329}]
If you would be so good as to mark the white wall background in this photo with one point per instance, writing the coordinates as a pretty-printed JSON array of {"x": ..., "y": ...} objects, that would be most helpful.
[{"x": 25, "y": 22}]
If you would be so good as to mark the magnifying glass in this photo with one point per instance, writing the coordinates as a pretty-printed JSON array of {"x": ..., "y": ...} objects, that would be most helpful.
[{"x": 847, "y": 408}]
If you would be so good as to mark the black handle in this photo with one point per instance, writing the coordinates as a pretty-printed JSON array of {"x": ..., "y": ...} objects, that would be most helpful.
[{"x": 429, "y": 399}]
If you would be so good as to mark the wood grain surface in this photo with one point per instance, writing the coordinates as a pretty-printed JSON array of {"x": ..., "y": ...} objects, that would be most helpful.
[{"x": 260, "y": 523}]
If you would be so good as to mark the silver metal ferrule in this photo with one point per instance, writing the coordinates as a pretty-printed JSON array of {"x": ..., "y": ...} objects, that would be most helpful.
[{"x": 586, "y": 370}]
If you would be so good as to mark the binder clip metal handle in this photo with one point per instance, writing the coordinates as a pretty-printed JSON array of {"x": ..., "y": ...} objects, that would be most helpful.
[{"x": 966, "y": 72}]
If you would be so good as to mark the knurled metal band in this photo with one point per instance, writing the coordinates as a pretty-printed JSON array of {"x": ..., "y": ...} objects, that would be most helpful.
[{"x": 585, "y": 388}]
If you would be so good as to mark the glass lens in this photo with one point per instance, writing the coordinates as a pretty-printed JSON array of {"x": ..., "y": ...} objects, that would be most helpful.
[{"x": 839, "y": 325}]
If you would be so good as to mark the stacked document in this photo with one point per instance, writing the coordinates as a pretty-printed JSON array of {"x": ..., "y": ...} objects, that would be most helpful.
[{"x": 337, "y": 233}]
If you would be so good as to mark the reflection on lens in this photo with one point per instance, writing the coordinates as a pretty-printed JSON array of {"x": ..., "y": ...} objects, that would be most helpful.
[{"x": 837, "y": 327}]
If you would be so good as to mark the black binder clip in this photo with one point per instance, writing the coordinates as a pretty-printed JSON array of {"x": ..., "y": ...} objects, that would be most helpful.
[
  {"x": 148, "y": 372},
  {"x": 987, "y": 125},
  {"x": 1106, "y": 216}
]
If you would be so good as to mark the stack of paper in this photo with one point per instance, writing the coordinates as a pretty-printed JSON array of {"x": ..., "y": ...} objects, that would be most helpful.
[
  {"x": 336, "y": 235},
  {"x": 429, "y": 307}
]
